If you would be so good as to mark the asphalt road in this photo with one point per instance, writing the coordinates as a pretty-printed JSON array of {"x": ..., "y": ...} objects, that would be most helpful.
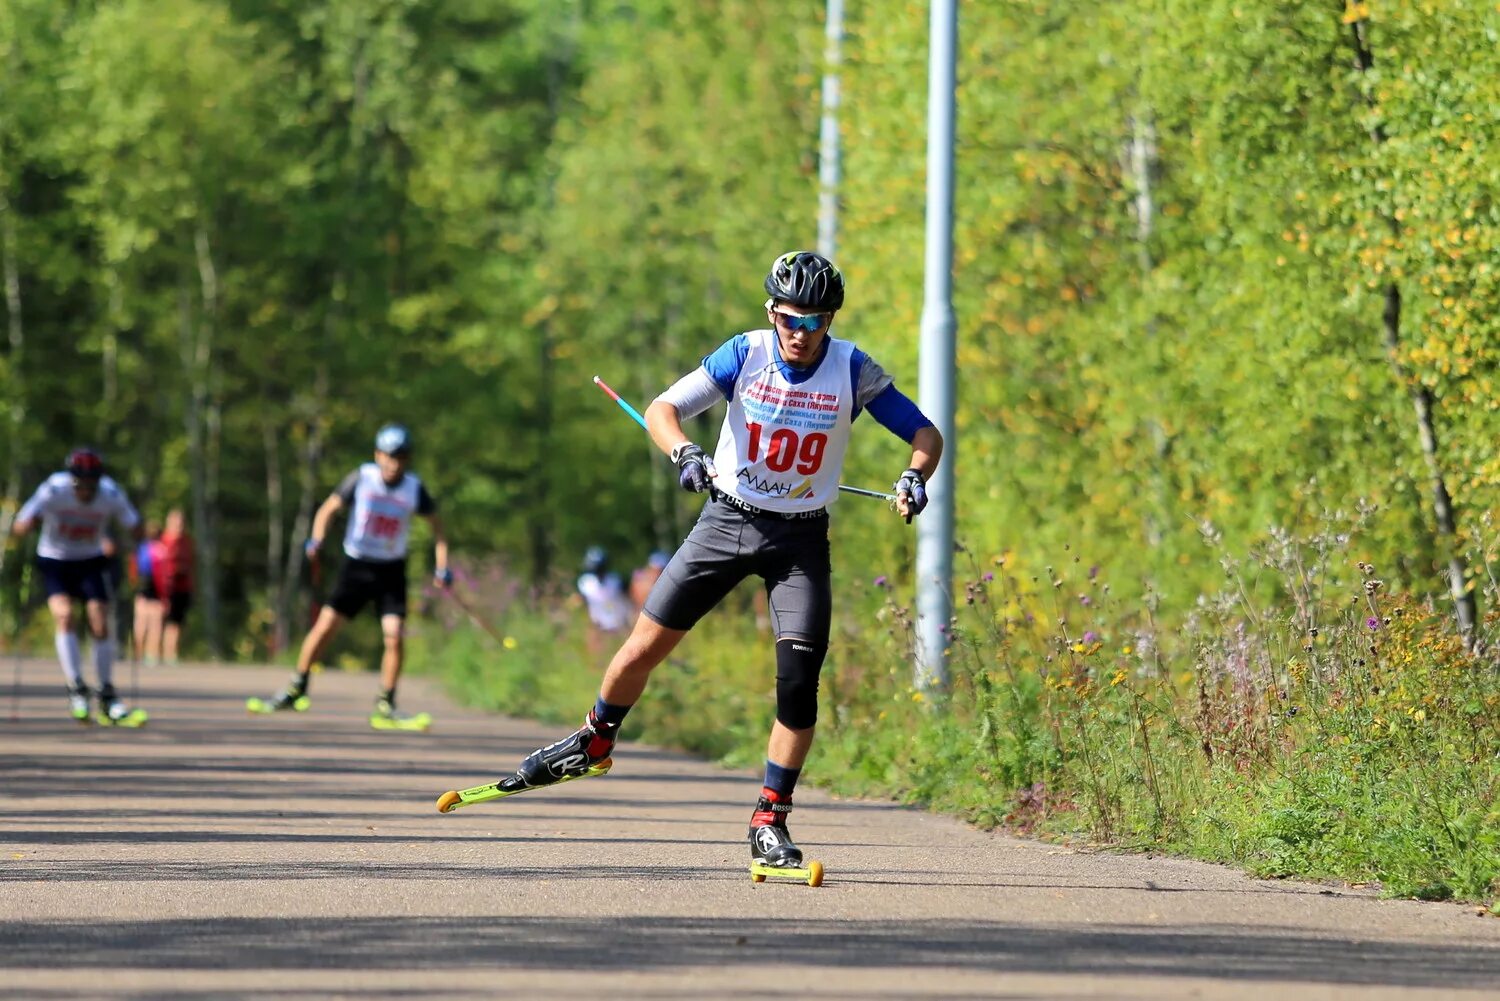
[{"x": 213, "y": 854}]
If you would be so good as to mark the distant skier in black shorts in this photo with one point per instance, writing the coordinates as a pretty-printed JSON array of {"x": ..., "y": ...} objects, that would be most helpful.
[
  {"x": 74, "y": 507},
  {"x": 382, "y": 496},
  {"x": 793, "y": 392}
]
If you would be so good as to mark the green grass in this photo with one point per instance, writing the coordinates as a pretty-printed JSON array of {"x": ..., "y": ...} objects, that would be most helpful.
[{"x": 1362, "y": 749}]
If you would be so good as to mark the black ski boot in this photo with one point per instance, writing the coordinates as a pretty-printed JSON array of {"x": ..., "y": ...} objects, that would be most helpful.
[
  {"x": 770, "y": 842},
  {"x": 583, "y": 753}
]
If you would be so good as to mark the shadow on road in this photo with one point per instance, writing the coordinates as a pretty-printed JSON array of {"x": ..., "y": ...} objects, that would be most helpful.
[{"x": 648, "y": 943}]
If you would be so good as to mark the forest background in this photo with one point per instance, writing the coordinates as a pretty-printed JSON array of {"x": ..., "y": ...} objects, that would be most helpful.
[{"x": 1226, "y": 289}]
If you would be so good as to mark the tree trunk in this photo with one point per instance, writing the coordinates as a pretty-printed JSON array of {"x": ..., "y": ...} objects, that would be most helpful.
[
  {"x": 16, "y": 337},
  {"x": 1422, "y": 402},
  {"x": 1445, "y": 535},
  {"x": 275, "y": 583},
  {"x": 196, "y": 334},
  {"x": 1142, "y": 164},
  {"x": 312, "y": 454}
]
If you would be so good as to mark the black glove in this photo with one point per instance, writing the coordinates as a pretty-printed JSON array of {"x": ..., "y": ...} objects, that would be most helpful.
[
  {"x": 913, "y": 486},
  {"x": 695, "y": 470}
]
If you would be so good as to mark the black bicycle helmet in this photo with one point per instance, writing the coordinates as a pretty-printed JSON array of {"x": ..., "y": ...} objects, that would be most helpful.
[
  {"x": 806, "y": 280},
  {"x": 393, "y": 439},
  {"x": 595, "y": 560},
  {"x": 85, "y": 463}
]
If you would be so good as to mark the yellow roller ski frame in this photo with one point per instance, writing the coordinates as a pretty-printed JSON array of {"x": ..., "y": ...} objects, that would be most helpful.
[
  {"x": 453, "y": 799},
  {"x": 811, "y": 874}
]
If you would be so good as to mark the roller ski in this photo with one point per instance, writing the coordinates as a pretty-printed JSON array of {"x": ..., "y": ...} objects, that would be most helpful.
[
  {"x": 772, "y": 853},
  {"x": 114, "y": 712},
  {"x": 78, "y": 704},
  {"x": 579, "y": 756},
  {"x": 386, "y": 717},
  {"x": 292, "y": 698}
]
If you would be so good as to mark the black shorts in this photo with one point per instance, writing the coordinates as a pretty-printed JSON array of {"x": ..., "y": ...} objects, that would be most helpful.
[
  {"x": 178, "y": 604},
  {"x": 726, "y": 546},
  {"x": 148, "y": 590},
  {"x": 80, "y": 579},
  {"x": 362, "y": 581}
]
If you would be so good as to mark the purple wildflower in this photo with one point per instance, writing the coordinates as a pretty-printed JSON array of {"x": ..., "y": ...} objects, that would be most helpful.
[
  {"x": 1373, "y": 622},
  {"x": 1093, "y": 571},
  {"x": 1085, "y": 600},
  {"x": 1089, "y": 636},
  {"x": 880, "y": 581},
  {"x": 988, "y": 577}
]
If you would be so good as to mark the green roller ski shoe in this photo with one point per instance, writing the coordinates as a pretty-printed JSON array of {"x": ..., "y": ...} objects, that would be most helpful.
[
  {"x": 78, "y": 704},
  {"x": 387, "y": 717},
  {"x": 114, "y": 712},
  {"x": 292, "y": 698}
]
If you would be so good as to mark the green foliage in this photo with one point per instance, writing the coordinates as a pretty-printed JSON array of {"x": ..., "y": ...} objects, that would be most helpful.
[{"x": 1351, "y": 738}]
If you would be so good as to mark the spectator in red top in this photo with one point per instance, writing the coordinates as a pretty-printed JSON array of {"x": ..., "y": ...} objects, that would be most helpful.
[
  {"x": 148, "y": 610},
  {"x": 172, "y": 572}
]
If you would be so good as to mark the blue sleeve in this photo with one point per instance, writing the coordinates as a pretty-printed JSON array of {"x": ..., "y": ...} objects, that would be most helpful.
[
  {"x": 724, "y": 365},
  {"x": 895, "y": 412},
  {"x": 856, "y": 362}
]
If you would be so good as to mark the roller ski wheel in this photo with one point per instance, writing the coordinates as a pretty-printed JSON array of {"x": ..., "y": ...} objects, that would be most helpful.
[
  {"x": 400, "y": 721},
  {"x": 811, "y": 873},
  {"x": 509, "y": 786}
]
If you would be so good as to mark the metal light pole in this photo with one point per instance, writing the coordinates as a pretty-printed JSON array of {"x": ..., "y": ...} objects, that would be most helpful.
[
  {"x": 828, "y": 136},
  {"x": 935, "y": 526}
]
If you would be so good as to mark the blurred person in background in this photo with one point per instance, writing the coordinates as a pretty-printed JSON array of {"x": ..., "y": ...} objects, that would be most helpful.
[
  {"x": 74, "y": 507},
  {"x": 382, "y": 497},
  {"x": 643, "y": 578},
  {"x": 603, "y": 594},
  {"x": 172, "y": 573},
  {"x": 146, "y": 629}
]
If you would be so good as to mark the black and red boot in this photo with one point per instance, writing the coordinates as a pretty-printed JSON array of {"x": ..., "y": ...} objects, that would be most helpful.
[
  {"x": 583, "y": 753},
  {"x": 770, "y": 842}
]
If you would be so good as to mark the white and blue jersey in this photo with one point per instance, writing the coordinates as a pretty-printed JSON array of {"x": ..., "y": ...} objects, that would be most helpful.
[
  {"x": 71, "y": 529},
  {"x": 783, "y": 441},
  {"x": 380, "y": 515}
]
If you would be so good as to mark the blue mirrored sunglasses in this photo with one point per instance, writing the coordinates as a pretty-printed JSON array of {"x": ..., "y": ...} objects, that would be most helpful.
[{"x": 793, "y": 323}]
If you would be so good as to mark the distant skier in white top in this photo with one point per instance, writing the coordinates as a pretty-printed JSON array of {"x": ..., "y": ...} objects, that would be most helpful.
[
  {"x": 381, "y": 496},
  {"x": 74, "y": 507}
]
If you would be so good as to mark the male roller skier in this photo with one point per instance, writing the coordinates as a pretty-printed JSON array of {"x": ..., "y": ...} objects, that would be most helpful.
[
  {"x": 74, "y": 507},
  {"x": 793, "y": 392},
  {"x": 382, "y": 497}
]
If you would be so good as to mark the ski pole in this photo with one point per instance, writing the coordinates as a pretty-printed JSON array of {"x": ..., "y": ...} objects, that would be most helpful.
[
  {"x": 635, "y": 414},
  {"x": 111, "y": 633},
  {"x": 485, "y": 626},
  {"x": 15, "y": 638}
]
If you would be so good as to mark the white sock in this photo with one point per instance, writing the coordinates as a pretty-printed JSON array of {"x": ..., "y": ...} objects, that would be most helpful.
[
  {"x": 104, "y": 661},
  {"x": 70, "y": 657}
]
